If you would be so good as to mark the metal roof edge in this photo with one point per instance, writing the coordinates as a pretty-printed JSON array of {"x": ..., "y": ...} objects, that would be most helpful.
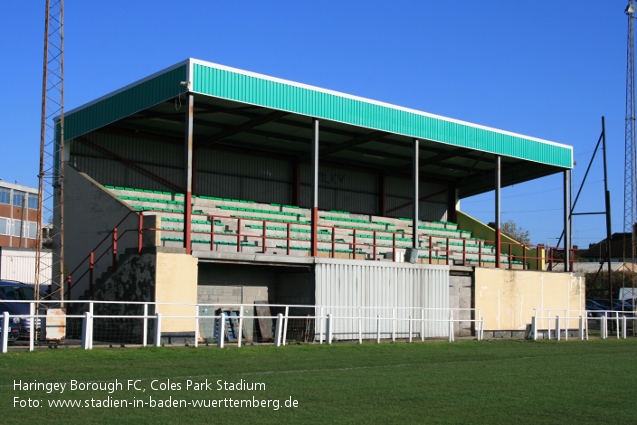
[
  {"x": 193, "y": 61},
  {"x": 129, "y": 86}
]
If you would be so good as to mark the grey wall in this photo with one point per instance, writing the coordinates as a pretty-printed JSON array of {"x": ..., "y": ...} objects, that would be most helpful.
[
  {"x": 461, "y": 296},
  {"x": 90, "y": 214}
]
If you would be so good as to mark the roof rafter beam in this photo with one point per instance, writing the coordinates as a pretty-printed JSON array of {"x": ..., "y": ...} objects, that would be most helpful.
[
  {"x": 354, "y": 141},
  {"x": 256, "y": 122},
  {"x": 432, "y": 160}
]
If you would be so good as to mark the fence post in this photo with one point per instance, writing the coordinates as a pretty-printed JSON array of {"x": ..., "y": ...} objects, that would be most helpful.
[
  {"x": 221, "y": 335},
  {"x": 5, "y": 332},
  {"x": 566, "y": 322},
  {"x": 624, "y": 327},
  {"x": 581, "y": 328},
  {"x": 157, "y": 330},
  {"x": 360, "y": 324},
  {"x": 422, "y": 324},
  {"x": 90, "y": 333},
  {"x": 410, "y": 328},
  {"x": 603, "y": 327},
  {"x": 481, "y": 328},
  {"x": 145, "y": 329},
  {"x": 277, "y": 332},
  {"x": 617, "y": 324},
  {"x": 330, "y": 328},
  {"x": 85, "y": 327},
  {"x": 196, "y": 342},
  {"x": 321, "y": 327},
  {"x": 33, "y": 322},
  {"x": 557, "y": 328},
  {"x": 378, "y": 328},
  {"x": 534, "y": 327},
  {"x": 393, "y": 324},
  {"x": 285, "y": 324},
  {"x": 240, "y": 337},
  {"x": 450, "y": 325}
]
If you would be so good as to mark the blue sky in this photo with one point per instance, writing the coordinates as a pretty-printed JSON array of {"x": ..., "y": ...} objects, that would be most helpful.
[{"x": 548, "y": 69}]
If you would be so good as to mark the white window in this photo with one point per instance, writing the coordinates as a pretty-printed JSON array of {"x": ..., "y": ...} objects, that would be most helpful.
[
  {"x": 17, "y": 224},
  {"x": 18, "y": 198},
  {"x": 33, "y": 230},
  {"x": 33, "y": 201},
  {"x": 4, "y": 226},
  {"x": 5, "y": 196}
]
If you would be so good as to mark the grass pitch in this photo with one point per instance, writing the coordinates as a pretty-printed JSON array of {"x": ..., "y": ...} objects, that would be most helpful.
[{"x": 542, "y": 382}]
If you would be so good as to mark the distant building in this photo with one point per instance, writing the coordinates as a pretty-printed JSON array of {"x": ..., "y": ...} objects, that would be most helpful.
[
  {"x": 594, "y": 267},
  {"x": 620, "y": 249},
  {"x": 18, "y": 215}
]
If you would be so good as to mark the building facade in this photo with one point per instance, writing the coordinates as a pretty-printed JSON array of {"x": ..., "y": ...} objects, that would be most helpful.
[{"x": 18, "y": 215}]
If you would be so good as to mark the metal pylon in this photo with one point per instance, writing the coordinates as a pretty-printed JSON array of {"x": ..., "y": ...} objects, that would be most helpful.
[{"x": 50, "y": 233}]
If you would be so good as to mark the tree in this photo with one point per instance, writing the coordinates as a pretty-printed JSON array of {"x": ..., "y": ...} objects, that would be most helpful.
[{"x": 511, "y": 229}]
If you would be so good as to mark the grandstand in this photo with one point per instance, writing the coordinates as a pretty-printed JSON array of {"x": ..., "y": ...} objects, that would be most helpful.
[{"x": 204, "y": 179}]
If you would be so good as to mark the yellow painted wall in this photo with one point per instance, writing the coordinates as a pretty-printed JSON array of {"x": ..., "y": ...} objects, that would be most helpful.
[
  {"x": 176, "y": 282},
  {"x": 508, "y": 298}
]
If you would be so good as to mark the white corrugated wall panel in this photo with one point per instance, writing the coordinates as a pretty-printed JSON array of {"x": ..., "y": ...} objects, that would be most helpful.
[
  {"x": 20, "y": 265},
  {"x": 393, "y": 291}
]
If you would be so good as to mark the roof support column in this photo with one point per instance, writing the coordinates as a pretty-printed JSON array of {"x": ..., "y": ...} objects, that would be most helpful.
[
  {"x": 498, "y": 184},
  {"x": 416, "y": 166},
  {"x": 382, "y": 194},
  {"x": 315, "y": 188},
  {"x": 297, "y": 184},
  {"x": 188, "y": 173},
  {"x": 567, "y": 219},
  {"x": 452, "y": 202}
]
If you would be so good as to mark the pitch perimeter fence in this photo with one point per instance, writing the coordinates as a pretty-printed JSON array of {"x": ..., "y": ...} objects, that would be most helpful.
[
  {"x": 558, "y": 324},
  {"x": 111, "y": 323}
]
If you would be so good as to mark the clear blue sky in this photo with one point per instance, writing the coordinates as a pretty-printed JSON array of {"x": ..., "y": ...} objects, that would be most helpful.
[{"x": 548, "y": 69}]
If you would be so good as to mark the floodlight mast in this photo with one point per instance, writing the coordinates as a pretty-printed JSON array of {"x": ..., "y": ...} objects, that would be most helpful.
[
  {"x": 630, "y": 159},
  {"x": 51, "y": 272}
]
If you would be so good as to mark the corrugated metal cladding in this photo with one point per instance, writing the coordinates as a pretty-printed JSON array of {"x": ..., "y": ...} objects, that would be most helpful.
[
  {"x": 393, "y": 291},
  {"x": 232, "y": 175},
  {"x": 340, "y": 189},
  {"x": 161, "y": 158},
  {"x": 139, "y": 150},
  {"x": 20, "y": 265},
  {"x": 236, "y": 85},
  {"x": 231, "y": 163},
  {"x": 430, "y": 211},
  {"x": 401, "y": 187},
  {"x": 124, "y": 103},
  {"x": 342, "y": 200},
  {"x": 338, "y": 178},
  {"x": 236, "y": 187},
  {"x": 113, "y": 172}
]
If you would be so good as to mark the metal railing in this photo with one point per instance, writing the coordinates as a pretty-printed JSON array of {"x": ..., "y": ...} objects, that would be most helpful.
[
  {"x": 554, "y": 323},
  {"x": 142, "y": 324},
  {"x": 438, "y": 247}
]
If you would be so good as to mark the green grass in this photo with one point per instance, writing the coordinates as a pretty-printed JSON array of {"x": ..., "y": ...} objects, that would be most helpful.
[{"x": 543, "y": 382}]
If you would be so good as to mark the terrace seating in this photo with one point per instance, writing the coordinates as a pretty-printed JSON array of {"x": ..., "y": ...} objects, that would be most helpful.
[{"x": 241, "y": 225}]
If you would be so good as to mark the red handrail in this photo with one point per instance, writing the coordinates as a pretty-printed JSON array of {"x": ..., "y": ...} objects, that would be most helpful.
[{"x": 115, "y": 235}]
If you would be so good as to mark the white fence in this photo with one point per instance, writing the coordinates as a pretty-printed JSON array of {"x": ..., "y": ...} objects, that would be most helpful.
[
  {"x": 558, "y": 323},
  {"x": 142, "y": 325}
]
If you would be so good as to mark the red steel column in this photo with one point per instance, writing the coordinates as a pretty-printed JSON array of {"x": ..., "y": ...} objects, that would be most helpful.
[
  {"x": 498, "y": 184},
  {"x": 315, "y": 189},
  {"x": 188, "y": 173}
]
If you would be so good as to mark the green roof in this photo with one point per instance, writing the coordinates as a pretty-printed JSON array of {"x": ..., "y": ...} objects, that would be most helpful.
[{"x": 217, "y": 81}]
